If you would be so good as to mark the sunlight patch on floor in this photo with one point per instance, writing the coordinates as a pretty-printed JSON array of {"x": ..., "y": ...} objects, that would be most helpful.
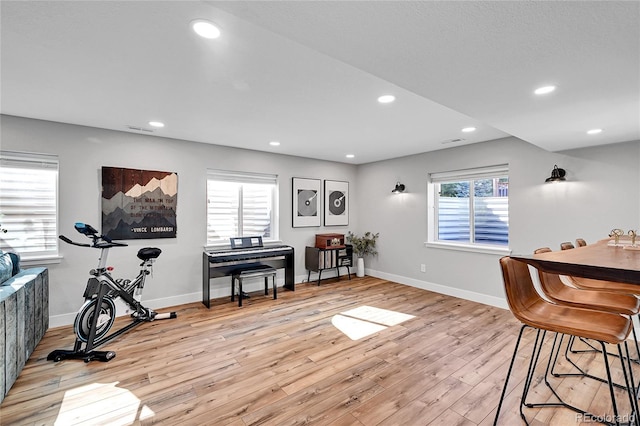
[
  {"x": 101, "y": 403},
  {"x": 364, "y": 321},
  {"x": 355, "y": 329}
]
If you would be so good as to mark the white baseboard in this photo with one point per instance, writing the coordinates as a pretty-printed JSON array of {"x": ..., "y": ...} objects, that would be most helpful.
[
  {"x": 224, "y": 291},
  {"x": 68, "y": 319},
  {"x": 442, "y": 289},
  {"x": 218, "y": 290}
]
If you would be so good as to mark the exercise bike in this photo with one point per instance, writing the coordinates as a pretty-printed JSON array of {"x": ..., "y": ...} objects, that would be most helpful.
[{"x": 98, "y": 313}]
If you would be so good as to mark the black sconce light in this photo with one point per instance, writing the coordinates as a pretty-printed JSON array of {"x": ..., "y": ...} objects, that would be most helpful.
[
  {"x": 399, "y": 188},
  {"x": 557, "y": 175}
]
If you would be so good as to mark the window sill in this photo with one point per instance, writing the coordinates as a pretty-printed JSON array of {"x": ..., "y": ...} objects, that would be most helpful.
[
  {"x": 40, "y": 261},
  {"x": 469, "y": 248}
]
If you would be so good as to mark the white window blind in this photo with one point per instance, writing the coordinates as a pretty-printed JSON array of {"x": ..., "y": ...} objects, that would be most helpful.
[
  {"x": 241, "y": 205},
  {"x": 470, "y": 206},
  {"x": 469, "y": 174},
  {"x": 29, "y": 204}
]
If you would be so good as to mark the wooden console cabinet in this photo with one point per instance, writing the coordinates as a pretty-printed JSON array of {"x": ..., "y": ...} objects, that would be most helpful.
[{"x": 318, "y": 259}]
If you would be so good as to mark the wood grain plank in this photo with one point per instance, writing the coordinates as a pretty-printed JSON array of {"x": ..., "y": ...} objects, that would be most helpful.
[{"x": 284, "y": 362}]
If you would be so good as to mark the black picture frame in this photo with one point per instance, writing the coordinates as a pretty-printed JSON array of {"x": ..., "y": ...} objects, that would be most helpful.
[
  {"x": 306, "y": 202},
  {"x": 336, "y": 203}
]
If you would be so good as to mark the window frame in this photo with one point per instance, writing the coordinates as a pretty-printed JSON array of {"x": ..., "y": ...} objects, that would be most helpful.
[
  {"x": 478, "y": 173},
  {"x": 35, "y": 161},
  {"x": 240, "y": 177}
]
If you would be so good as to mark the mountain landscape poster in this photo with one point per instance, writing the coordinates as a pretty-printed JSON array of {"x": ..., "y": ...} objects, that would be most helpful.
[{"x": 138, "y": 204}]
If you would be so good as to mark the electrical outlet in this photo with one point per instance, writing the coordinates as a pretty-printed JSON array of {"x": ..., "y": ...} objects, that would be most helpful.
[{"x": 423, "y": 267}]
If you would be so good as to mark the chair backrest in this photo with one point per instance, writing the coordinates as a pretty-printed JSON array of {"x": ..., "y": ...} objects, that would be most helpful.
[
  {"x": 551, "y": 284},
  {"x": 566, "y": 245},
  {"x": 519, "y": 288},
  {"x": 580, "y": 242}
]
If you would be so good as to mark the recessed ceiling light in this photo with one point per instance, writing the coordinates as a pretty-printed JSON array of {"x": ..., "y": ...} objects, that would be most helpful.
[
  {"x": 350, "y": 156},
  {"x": 156, "y": 124},
  {"x": 205, "y": 28},
  {"x": 594, "y": 131},
  {"x": 386, "y": 99},
  {"x": 274, "y": 143},
  {"x": 469, "y": 129},
  {"x": 544, "y": 90}
]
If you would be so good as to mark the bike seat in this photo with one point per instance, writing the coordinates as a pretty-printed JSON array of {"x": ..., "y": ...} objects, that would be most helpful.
[{"x": 147, "y": 253}]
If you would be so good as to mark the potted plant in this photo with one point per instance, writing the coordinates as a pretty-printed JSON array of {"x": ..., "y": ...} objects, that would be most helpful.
[{"x": 362, "y": 246}]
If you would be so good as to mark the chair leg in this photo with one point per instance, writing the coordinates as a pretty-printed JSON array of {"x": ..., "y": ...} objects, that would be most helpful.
[
  {"x": 506, "y": 382},
  {"x": 595, "y": 349},
  {"x": 266, "y": 286},
  {"x": 581, "y": 372},
  {"x": 611, "y": 390},
  {"x": 628, "y": 376},
  {"x": 240, "y": 292},
  {"x": 535, "y": 356}
]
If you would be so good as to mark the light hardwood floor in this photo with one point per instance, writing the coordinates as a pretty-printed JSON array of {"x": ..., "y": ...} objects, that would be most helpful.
[{"x": 282, "y": 361}]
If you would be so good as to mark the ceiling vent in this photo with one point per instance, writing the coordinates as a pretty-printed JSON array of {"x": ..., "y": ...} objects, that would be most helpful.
[
  {"x": 456, "y": 140},
  {"x": 139, "y": 129}
]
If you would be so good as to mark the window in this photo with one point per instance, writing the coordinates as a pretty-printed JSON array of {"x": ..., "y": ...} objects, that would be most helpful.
[
  {"x": 470, "y": 207},
  {"x": 241, "y": 205},
  {"x": 29, "y": 204}
]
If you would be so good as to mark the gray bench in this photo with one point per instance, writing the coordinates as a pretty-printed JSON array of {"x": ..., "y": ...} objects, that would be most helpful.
[{"x": 240, "y": 275}]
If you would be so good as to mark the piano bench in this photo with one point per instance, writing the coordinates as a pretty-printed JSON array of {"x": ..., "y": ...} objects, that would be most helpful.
[{"x": 254, "y": 272}]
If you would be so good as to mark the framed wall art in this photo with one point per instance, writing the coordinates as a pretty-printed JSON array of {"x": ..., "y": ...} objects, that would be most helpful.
[
  {"x": 336, "y": 203},
  {"x": 306, "y": 202},
  {"x": 138, "y": 204}
]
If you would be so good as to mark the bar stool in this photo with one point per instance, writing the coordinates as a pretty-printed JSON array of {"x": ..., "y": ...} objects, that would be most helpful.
[
  {"x": 589, "y": 283},
  {"x": 610, "y": 286},
  {"x": 240, "y": 275},
  {"x": 559, "y": 292},
  {"x": 533, "y": 311}
]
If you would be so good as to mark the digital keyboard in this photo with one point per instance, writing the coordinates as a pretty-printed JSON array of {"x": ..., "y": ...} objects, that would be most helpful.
[{"x": 221, "y": 263}]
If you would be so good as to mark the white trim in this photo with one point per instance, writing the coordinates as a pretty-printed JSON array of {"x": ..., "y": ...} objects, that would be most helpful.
[
  {"x": 476, "y": 248},
  {"x": 220, "y": 287},
  {"x": 442, "y": 289},
  {"x": 40, "y": 260},
  {"x": 162, "y": 303}
]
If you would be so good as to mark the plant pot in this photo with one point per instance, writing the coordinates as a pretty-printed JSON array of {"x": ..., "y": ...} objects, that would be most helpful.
[{"x": 360, "y": 267}]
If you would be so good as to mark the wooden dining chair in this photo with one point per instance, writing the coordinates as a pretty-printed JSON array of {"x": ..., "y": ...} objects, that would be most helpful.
[
  {"x": 591, "y": 284},
  {"x": 610, "y": 286},
  {"x": 533, "y": 311},
  {"x": 566, "y": 245},
  {"x": 557, "y": 291}
]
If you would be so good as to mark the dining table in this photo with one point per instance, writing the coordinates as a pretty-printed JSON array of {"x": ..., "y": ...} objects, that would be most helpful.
[{"x": 606, "y": 259}]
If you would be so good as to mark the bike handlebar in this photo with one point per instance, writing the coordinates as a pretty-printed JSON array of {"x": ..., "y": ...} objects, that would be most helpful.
[
  {"x": 68, "y": 241},
  {"x": 99, "y": 241}
]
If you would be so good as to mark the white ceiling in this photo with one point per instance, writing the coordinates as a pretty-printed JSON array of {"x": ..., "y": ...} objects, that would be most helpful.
[{"x": 307, "y": 73}]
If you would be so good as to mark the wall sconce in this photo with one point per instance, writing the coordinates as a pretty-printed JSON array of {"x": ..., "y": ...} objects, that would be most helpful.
[
  {"x": 399, "y": 188},
  {"x": 557, "y": 175}
]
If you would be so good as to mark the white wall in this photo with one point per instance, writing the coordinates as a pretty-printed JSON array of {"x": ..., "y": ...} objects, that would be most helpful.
[
  {"x": 602, "y": 192},
  {"x": 177, "y": 274}
]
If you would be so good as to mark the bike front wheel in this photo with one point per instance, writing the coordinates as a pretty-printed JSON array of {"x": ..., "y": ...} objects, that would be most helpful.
[{"x": 106, "y": 316}]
